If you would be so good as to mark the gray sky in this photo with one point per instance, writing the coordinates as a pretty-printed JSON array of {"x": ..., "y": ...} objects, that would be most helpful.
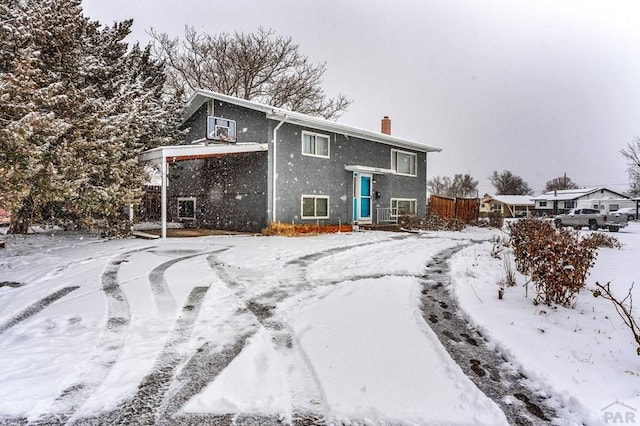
[{"x": 539, "y": 88}]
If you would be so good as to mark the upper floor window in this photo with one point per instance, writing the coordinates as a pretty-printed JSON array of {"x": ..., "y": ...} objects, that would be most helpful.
[
  {"x": 315, "y": 144},
  {"x": 404, "y": 163}
]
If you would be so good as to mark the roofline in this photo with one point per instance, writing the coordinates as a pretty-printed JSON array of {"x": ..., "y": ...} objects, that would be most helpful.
[
  {"x": 567, "y": 192},
  {"x": 200, "y": 96}
]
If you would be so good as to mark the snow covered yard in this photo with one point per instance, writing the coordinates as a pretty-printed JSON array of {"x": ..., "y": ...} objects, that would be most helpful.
[{"x": 269, "y": 329}]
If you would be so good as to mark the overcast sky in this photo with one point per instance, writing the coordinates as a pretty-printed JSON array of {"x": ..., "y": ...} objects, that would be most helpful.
[{"x": 539, "y": 88}]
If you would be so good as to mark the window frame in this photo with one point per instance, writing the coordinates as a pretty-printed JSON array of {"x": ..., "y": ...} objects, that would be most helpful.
[
  {"x": 413, "y": 201},
  {"x": 183, "y": 199},
  {"x": 414, "y": 162},
  {"x": 315, "y": 144},
  {"x": 315, "y": 198}
]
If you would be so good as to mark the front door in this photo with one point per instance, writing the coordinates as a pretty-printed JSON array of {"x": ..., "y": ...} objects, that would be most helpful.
[{"x": 362, "y": 197}]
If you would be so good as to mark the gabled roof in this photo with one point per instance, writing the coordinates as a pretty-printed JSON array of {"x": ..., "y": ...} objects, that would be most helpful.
[
  {"x": 512, "y": 200},
  {"x": 201, "y": 96},
  {"x": 572, "y": 194}
]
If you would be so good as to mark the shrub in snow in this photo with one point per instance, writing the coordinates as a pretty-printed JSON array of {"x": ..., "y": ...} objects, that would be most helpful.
[
  {"x": 624, "y": 308},
  {"x": 598, "y": 239},
  {"x": 496, "y": 220},
  {"x": 557, "y": 261},
  {"x": 430, "y": 222}
]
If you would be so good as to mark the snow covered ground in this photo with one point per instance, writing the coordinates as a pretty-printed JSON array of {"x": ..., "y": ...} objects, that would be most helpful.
[{"x": 326, "y": 327}]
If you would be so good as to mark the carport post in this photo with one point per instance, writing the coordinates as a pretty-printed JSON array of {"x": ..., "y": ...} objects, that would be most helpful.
[{"x": 163, "y": 197}]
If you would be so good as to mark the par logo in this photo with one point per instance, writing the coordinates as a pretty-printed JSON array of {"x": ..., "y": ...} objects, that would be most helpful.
[{"x": 618, "y": 413}]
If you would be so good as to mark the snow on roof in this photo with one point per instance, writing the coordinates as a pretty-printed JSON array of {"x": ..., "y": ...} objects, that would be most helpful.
[
  {"x": 514, "y": 200},
  {"x": 565, "y": 194},
  {"x": 201, "y": 96},
  {"x": 572, "y": 194}
]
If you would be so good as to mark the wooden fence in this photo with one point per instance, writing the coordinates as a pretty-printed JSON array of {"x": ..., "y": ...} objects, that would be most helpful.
[{"x": 463, "y": 209}]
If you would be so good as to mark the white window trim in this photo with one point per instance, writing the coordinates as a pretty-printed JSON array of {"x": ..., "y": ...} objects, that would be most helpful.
[
  {"x": 315, "y": 207},
  {"x": 394, "y": 211},
  {"x": 394, "y": 162},
  {"x": 304, "y": 132},
  {"x": 194, "y": 208}
]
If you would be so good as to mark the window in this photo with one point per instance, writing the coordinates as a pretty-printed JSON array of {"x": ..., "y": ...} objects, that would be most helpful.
[
  {"x": 315, "y": 144},
  {"x": 400, "y": 206},
  {"x": 187, "y": 208},
  {"x": 315, "y": 207},
  {"x": 614, "y": 207},
  {"x": 404, "y": 163},
  {"x": 543, "y": 203},
  {"x": 570, "y": 204}
]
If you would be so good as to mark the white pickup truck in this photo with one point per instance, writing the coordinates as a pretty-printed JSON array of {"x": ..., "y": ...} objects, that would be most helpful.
[{"x": 577, "y": 218}]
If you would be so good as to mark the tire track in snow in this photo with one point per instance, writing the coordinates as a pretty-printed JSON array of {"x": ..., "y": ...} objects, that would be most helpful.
[
  {"x": 108, "y": 346},
  {"x": 144, "y": 407},
  {"x": 164, "y": 300},
  {"x": 34, "y": 308},
  {"x": 498, "y": 379},
  {"x": 308, "y": 400}
]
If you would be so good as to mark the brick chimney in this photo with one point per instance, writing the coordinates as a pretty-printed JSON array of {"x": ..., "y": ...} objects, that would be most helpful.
[{"x": 386, "y": 125}]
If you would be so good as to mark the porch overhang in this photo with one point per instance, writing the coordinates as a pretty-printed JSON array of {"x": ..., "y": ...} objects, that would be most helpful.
[
  {"x": 193, "y": 152},
  {"x": 369, "y": 170}
]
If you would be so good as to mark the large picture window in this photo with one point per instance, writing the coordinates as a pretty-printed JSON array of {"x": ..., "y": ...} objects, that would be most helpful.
[
  {"x": 401, "y": 206},
  {"x": 187, "y": 208},
  {"x": 404, "y": 163},
  {"x": 315, "y": 144},
  {"x": 315, "y": 207}
]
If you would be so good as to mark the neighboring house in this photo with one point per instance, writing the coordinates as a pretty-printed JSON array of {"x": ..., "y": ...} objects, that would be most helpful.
[
  {"x": 246, "y": 164},
  {"x": 507, "y": 205},
  {"x": 561, "y": 201}
]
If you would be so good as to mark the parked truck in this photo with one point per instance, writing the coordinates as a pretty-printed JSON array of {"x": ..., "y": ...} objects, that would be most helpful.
[{"x": 592, "y": 218}]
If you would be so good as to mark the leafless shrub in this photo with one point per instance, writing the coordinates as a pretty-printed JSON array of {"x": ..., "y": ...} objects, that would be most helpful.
[
  {"x": 510, "y": 274},
  {"x": 498, "y": 246},
  {"x": 496, "y": 220},
  {"x": 624, "y": 308}
]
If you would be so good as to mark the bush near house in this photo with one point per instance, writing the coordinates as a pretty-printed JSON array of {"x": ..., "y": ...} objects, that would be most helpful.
[{"x": 430, "y": 222}]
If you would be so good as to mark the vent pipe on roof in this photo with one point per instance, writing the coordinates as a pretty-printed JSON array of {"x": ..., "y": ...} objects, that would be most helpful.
[{"x": 386, "y": 125}]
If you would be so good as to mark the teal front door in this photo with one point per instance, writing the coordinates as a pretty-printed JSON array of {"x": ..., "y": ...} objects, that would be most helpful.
[{"x": 362, "y": 198}]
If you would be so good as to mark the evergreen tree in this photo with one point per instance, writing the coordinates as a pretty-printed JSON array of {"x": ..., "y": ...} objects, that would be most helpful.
[{"x": 77, "y": 107}]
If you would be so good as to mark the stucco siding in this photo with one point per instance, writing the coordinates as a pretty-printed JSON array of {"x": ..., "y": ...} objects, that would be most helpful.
[
  {"x": 300, "y": 175},
  {"x": 230, "y": 191}
]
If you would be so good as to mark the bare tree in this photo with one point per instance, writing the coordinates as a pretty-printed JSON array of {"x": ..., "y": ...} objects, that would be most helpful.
[
  {"x": 632, "y": 155},
  {"x": 506, "y": 183},
  {"x": 559, "y": 183},
  {"x": 258, "y": 66},
  {"x": 460, "y": 186}
]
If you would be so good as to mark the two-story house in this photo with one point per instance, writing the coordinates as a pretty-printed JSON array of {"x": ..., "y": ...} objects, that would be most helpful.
[{"x": 245, "y": 164}]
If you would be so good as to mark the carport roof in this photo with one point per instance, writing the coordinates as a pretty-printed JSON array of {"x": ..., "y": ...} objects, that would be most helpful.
[{"x": 197, "y": 151}]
